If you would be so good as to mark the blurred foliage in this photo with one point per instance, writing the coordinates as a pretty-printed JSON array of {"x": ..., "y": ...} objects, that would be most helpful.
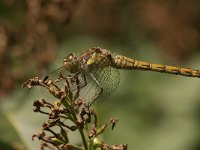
[
  {"x": 29, "y": 36},
  {"x": 155, "y": 111}
]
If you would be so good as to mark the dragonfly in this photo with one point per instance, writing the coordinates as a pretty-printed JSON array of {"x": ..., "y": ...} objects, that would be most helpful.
[{"x": 97, "y": 71}]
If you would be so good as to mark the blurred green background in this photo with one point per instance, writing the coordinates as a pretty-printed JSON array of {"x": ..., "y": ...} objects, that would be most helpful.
[{"x": 155, "y": 111}]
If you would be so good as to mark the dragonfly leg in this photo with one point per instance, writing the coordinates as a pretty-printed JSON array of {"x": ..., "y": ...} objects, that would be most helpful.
[
  {"x": 84, "y": 83},
  {"x": 96, "y": 97},
  {"x": 68, "y": 83},
  {"x": 79, "y": 83},
  {"x": 78, "y": 88},
  {"x": 75, "y": 83},
  {"x": 66, "y": 86}
]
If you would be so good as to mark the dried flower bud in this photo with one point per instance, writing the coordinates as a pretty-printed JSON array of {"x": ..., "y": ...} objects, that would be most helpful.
[{"x": 113, "y": 121}]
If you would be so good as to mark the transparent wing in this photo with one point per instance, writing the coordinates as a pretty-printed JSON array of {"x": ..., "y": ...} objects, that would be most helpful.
[
  {"x": 107, "y": 79},
  {"x": 90, "y": 90}
]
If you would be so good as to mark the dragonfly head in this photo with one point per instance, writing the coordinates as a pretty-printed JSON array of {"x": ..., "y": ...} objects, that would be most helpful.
[{"x": 71, "y": 63}]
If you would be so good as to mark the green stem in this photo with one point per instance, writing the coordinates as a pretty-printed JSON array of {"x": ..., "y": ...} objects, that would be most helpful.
[
  {"x": 83, "y": 138},
  {"x": 80, "y": 129}
]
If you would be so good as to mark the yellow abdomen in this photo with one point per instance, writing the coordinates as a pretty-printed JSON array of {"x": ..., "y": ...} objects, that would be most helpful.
[{"x": 122, "y": 62}]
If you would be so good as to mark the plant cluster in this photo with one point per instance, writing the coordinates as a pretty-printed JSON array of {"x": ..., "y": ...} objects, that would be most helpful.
[{"x": 68, "y": 113}]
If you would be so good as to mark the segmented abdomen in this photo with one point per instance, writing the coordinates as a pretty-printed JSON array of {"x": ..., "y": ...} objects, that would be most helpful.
[{"x": 122, "y": 62}]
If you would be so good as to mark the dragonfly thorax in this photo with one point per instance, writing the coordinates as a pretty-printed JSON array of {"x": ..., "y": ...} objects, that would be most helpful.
[
  {"x": 96, "y": 58},
  {"x": 71, "y": 63}
]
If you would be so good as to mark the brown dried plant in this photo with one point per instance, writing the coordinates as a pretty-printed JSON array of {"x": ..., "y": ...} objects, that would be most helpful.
[
  {"x": 70, "y": 114},
  {"x": 33, "y": 36}
]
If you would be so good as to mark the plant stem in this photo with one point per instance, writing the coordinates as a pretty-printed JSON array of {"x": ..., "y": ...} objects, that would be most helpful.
[
  {"x": 80, "y": 129},
  {"x": 83, "y": 138}
]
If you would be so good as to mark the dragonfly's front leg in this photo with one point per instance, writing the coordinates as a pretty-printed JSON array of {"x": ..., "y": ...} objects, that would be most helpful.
[{"x": 79, "y": 83}]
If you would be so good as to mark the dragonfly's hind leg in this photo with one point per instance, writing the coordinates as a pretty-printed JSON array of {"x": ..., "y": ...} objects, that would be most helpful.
[
  {"x": 94, "y": 100},
  {"x": 80, "y": 85}
]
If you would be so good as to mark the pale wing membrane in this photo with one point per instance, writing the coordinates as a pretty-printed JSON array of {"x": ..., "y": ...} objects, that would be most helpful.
[
  {"x": 90, "y": 91},
  {"x": 109, "y": 79}
]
